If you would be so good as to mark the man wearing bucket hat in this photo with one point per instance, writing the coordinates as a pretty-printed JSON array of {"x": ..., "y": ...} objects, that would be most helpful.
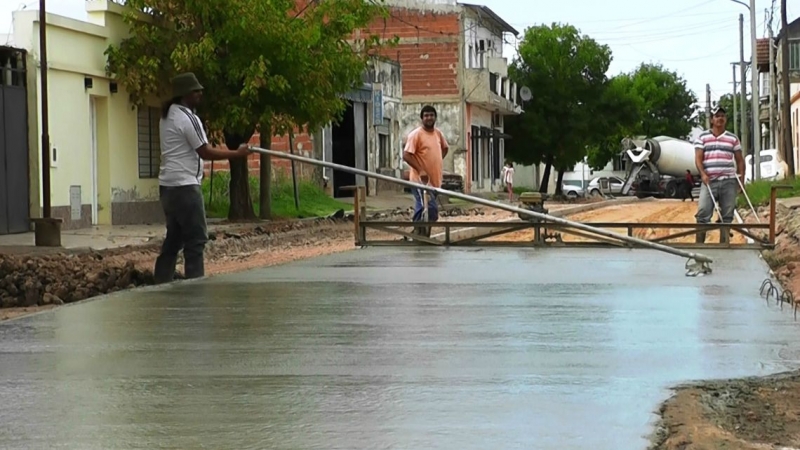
[{"x": 184, "y": 146}]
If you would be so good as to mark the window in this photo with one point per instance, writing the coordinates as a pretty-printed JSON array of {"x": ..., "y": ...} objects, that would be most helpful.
[
  {"x": 794, "y": 54},
  {"x": 383, "y": 151},
  {"x": 149, "y": 142}
]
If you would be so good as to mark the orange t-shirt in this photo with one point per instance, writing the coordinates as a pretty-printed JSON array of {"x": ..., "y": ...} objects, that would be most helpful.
[{"x": 426, "y": 147}]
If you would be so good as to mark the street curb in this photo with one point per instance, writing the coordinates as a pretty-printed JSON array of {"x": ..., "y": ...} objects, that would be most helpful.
[{"x": 467, "y": 233}]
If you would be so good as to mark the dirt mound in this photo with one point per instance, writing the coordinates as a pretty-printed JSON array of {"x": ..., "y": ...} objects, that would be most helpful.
[{"x": 63, "y": 278}]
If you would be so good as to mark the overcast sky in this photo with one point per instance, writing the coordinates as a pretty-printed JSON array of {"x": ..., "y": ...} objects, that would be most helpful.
[{"x": 697, "y": 38}]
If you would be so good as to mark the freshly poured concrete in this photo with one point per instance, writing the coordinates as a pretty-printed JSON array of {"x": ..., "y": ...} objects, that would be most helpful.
[{"x": 391, "y": 348}]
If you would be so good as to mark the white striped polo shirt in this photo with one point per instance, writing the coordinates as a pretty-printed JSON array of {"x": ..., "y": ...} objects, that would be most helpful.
[
  {"x": 718, "y": 153},
  {"x": 181, "y": 135}
]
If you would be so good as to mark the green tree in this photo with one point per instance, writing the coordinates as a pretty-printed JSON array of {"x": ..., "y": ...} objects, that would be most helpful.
[
  {"x": 618, "y": 117},
  {"x": 666, "y": 104},
  {"x": 566, "y": 71},
  {"x": 650, "y": 101},
  {"x": 267, "y": 64}
]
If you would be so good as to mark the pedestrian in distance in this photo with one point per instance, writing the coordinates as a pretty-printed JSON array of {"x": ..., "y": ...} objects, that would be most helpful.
[
  {"x": 507, "y": 175},
  {"x": 718, "y": 157},
  {"x": 687, "y": 186},
  {"x": 184, "y": 146},
  {"x": 424, "y": 152}
]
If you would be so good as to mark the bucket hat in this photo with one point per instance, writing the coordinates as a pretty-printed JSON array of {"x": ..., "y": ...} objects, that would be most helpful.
[{"x": 184, "y": 84}]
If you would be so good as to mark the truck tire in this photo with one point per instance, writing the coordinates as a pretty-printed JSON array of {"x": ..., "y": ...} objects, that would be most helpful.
[{"x": 672, "y": 190}]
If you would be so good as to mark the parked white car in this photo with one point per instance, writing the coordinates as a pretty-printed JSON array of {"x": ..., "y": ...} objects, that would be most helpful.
[
  {"x": 772, "y": 167},
  {"x": 614, "y": 186},
  {"x": 572, "y": 188}
]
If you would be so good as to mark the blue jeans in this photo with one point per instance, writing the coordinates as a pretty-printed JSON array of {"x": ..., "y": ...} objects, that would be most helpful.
[
  {"x": 433, "y": 208},
  {"x": 725, "y": 193}
]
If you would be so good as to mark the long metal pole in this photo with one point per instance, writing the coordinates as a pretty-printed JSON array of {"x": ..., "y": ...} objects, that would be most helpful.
[
  {"x": 755, "y": 97},
  {"x": 735, "y": 101},
  {"x": 44, "y": 109},
  {"x": 743, "y": 98},
  {"x": 772, "y": 133},
  {"x": 786, "y": 119},
  {"x": 664, "y": 248}
]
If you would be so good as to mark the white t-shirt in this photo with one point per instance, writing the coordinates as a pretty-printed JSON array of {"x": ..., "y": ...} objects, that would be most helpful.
[
  {"x": 182, "y": 134},
  {"x": 508, "y": 174}
]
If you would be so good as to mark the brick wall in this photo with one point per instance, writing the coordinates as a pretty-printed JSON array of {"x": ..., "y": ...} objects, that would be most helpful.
[
  {"x": 279, "y": 143},
  {"x": 427, "y": 51}
]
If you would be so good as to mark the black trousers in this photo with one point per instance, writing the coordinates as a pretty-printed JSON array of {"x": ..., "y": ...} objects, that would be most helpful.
[{"x": 185, "y": 214}]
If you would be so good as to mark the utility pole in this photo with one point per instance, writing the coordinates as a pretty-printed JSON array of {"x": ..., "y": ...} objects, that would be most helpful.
[
  {"x": 743, "y": 99},
  {"x": 786, "y": 123},
  {"x": 708, "y": 106},
  {"x": 735, "y": 101},
  {"x": 45, "y": 115},
  {"x": 772, "y": 131},
  {"x": 755, "y": 96}
]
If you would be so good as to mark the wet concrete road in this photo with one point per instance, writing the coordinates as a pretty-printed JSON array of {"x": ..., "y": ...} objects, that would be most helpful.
[{"x": 391, "y": 348}]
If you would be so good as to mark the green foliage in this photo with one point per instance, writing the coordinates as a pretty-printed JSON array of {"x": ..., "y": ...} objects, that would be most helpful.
[
  {"x": 314, "y": 202},
  {"x": 259, "y": 60},
  {"x": 618, "y": 115},
  {"x": 566, "y": 72},
  {"x": 650, "y": 101},
  {"x": 759, "y": 191},
  {"x": 667, "y": 106}
]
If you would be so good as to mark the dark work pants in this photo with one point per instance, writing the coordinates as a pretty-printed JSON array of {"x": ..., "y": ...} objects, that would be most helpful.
[{"x": 185, "y": 213}]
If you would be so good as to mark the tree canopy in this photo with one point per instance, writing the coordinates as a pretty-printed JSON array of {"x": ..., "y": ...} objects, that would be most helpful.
[
  {"x": 577, "y": 111},
  {"x": 268, "y": 63},
  {"x": 566, "y": 72},
  {"x": 650, "y": 101}
]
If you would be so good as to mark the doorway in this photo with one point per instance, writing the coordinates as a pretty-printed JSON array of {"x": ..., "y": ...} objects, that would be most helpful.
[
  {"x": 14, "y": 173},
  {"x": 349, "y": 142}
]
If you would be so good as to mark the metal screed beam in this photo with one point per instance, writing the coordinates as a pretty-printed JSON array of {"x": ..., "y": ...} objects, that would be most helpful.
[{"x": 699, "y": 262}]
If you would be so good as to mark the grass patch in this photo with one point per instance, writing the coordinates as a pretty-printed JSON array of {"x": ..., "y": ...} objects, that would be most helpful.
[
  {"x": 314, "y": 202},
  {"x": 517, "y": 190},
  {"x": 759, "y": 191}
]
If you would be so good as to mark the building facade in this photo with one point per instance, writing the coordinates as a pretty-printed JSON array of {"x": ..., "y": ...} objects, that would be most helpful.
[{"x": 452, "y": 58}]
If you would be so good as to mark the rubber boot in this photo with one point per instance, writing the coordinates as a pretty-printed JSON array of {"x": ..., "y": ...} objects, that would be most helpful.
[{"x": 700, "y": 238}]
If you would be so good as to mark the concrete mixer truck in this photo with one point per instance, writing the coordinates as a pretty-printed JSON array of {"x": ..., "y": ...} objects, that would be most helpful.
[{"x": 657, "y": 166}]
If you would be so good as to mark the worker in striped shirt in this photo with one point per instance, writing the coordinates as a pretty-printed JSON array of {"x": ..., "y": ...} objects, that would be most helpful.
[{"x": 718, "y": 156}]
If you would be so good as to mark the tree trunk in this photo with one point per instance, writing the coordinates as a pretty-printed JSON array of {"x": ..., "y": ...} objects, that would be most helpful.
[
  {"x": 786, "y": 120},
  {"x": 559, "y": 182},
  {"x": 241, "y": 203},
  {"x": 265, "y": 173},
  {"x": 545, "y": 183}
]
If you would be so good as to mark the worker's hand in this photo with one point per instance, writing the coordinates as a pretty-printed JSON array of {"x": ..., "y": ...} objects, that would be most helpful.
[
  {"x": 705, "y": 178},
  {"x": 243, "y": 150}
]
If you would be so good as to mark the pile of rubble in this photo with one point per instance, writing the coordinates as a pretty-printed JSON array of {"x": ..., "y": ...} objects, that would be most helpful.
[{"x": 63, "y": 278}]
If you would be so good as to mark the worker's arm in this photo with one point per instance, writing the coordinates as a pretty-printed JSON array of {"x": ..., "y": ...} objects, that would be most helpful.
[
  {"x": 409, "y": 153},
  {"x": 445, "y": 146},
  {"x": 739, "y": 158},
  {"x": 698, "y": 161},
  {"x": 411, "y": 160},
  {"x": 196, "y": 136},
  {"x": 209, "y": 153}
]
